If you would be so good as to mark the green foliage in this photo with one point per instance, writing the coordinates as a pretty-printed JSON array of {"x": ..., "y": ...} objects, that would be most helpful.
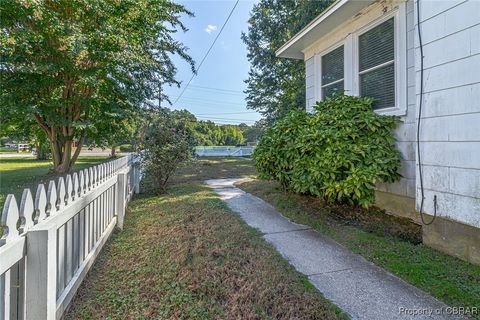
[
  {"x": 167, "y": 143},
  {"x": 72, "y": 66},
  {"x": 207, "y": 133},
  {"x": 275, "y": 85},
  {"x": 338, "y": 153},
  {"x": 252, "y": 133},
  {"x": 126, "y": 148}
]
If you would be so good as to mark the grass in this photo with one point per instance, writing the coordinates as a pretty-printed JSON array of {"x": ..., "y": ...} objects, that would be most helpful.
[
  {"x": 204, "y": 168},
  {"x": 10, "y": 150},
  {"x": 17, "y": 173},
  {"x": 185, "y": 255},
  {"x": 455, "y": 282}
]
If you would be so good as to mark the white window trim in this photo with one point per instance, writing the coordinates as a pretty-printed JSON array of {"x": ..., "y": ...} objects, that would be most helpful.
[{"x": 351, "y": 61}]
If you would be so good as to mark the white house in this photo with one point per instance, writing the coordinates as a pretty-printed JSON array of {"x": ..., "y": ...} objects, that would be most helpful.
[{"x": 372, "y": 48}]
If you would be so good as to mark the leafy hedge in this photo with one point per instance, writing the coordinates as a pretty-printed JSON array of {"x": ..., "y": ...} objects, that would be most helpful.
[{"x": 339, "y": 153}]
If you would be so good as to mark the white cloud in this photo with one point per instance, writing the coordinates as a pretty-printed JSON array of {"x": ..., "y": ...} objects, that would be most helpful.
[{"x": 210, "y": 28}]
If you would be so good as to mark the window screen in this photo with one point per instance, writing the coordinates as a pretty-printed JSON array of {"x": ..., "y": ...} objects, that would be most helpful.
[
  {"x": 376, "y": 64},
  {"x": 332, "y": 72}
]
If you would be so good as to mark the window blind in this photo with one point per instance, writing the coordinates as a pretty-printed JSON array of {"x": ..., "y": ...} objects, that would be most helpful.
[
  {"x": 332, "y": 72},
  {"x": 377, "y": 64}
]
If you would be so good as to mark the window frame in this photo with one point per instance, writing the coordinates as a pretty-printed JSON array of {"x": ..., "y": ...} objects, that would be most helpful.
[
  {"x": 351, "y": 79},
  {"x": 399, "y": 62}
]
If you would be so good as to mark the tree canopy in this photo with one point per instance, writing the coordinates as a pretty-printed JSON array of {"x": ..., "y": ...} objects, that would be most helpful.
[
  {"x": 275, "y": 86},
  {"x": 72, "y": 65}
]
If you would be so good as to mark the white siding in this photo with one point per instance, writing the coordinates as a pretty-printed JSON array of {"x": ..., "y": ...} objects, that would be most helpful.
[
  {"x": 450, "y": 127},
  {"x": 405, "y": 132},
  {"x": 310, "y": 84}
]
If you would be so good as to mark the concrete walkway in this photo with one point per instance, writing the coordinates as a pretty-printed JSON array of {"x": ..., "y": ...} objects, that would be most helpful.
[{"x": 357, "y": 286}]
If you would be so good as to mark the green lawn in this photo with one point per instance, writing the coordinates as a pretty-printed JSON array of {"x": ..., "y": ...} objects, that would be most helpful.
[
  {"x": 26, "y": 172},
  {"x": 185, "y": 255},
  {"x": 449, "y": 279},
  {"x": 10, "y": 150}
]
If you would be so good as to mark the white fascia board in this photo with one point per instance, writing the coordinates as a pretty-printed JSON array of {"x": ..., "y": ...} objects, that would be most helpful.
[{"x": 337, "y": 13}]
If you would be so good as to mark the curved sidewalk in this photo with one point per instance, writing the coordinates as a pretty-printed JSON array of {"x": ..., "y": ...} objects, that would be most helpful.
[{"x": 358, "y": 287}]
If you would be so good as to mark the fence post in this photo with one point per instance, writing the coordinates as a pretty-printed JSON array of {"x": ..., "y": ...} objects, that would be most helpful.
[
  {"x": 41, "y": 272},
  {"x": 121, "y": 201}
]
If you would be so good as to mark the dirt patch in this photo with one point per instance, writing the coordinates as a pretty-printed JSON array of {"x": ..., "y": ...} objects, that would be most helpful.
[{"x": 373, "y": 219}]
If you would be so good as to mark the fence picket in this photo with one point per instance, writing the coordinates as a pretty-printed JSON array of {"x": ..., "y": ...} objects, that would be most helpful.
[
  {"x": 51, "y": 199},
  {"x": 61, "y": 194},
  {"x": 40, "y": 204},
  {"x": 93, "y": 177},
  {"x": 9, "y": 220},
  {"x": 27, "y": 210},
  {"x": 76, "y": 186},
  {"x": 69, "y": 191}
]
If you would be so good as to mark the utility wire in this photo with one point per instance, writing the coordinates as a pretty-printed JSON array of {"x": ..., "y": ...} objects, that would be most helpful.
[
  {"x": 226, "y": 119},
  {"x": 213, "y": 101},
  {"x": 195, "y": 90},
  {"x": 219, "y": 89},
  {"x": 208, "y": 51},
  {"x": 420, "y": 104},
  {"x": 212, "y": 114}
]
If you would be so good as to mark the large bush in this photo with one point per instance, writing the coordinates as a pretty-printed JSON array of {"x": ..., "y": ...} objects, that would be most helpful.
[
  {"x": 339, "y": 153},
  {"x": 167, "y": 143}
]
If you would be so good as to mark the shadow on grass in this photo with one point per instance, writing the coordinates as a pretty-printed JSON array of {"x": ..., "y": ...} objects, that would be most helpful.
[{"x": 185, "y": 255}]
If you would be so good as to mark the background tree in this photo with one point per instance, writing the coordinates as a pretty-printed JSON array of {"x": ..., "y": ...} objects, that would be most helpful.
[
  {"x": 275, "y": 86},
  {"x": 114, "y": 132},
  {"x": 73, "y": 64},
  {"x": 252, "y": 133},
  {"x": 26, "y": 131}
]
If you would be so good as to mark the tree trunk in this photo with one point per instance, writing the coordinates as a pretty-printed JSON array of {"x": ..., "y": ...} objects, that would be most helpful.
[
  {"x": 63, "y": 160},
  {"x": 61, "y": 144},
  {"x": 61, "y": 154},
  {"x": 112, "y": 153}
]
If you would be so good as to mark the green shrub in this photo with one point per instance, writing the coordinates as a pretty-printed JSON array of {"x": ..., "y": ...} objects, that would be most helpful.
[
  {"x": 339, "y": 153},
  {"x": 127, "y": 148},
  {"x": 166, "y": 145}
]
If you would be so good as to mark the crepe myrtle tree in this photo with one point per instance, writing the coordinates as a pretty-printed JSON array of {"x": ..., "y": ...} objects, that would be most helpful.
[{"x": 72, "y": 64}]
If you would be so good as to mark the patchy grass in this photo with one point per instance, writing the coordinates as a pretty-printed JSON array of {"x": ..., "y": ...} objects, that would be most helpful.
[
  {"x": 204, "y": 168},
  {"x": 17, "y": 173},
  {"x": 449, "y": 279},
  {"x": 184, "y": 255}
]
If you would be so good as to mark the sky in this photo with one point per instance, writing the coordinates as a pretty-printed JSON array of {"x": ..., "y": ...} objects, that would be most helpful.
[{"x": 225, "y": 68}]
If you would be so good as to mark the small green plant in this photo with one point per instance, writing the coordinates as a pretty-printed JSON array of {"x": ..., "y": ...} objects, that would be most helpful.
[{"x": 339, "y": 153}]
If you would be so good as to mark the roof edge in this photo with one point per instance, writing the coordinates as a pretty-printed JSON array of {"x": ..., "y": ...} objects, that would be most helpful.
[{"x": 322, "y": 16}]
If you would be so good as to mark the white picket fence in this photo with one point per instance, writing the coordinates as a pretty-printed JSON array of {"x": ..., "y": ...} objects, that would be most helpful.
[
  {"x": 223, "y": 151},
  {"x": 52, "y": 240}
]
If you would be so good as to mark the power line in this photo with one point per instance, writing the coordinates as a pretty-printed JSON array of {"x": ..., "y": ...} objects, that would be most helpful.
[
  {"x": 212, "y": 101},
  {"x": 208, "y": 51},
  {"x": 211, "y": 91},
  {"x": 219, "y": 89},
  {"x": 211, "y": 114},
  {"x": 229, "y": 123},
  {"x": 226, "y": 119}
]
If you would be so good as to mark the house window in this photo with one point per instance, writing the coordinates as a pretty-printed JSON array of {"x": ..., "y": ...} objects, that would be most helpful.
[
  {"x": 332, "y": 72},
  {"x": 376, "y": 49}
]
